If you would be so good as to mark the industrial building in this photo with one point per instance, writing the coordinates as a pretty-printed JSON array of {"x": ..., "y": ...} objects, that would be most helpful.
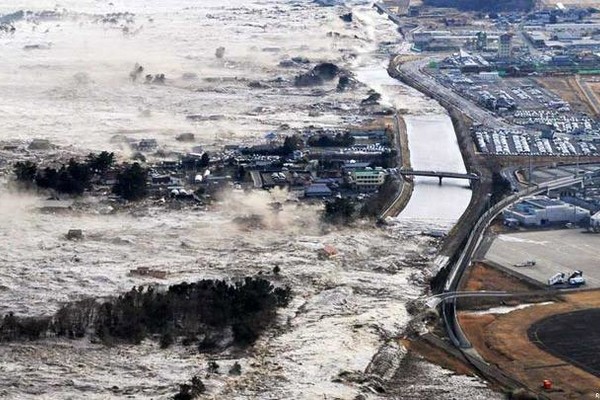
[
  {"x": 452, "y": 40},
  {"x": 542, "y": 210},
  {"x": 505, "y": 46}
]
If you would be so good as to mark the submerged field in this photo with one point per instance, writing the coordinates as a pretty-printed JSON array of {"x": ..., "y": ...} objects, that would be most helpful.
[
  {"x": 66, "y": 78},
  {"x": 344, "y": 308}
]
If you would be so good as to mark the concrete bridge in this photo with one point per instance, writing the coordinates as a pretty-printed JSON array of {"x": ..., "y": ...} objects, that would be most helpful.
[{"x": 440, "y": 174}]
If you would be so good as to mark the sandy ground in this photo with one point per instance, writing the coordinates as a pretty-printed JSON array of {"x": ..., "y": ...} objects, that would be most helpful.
[
  {"x": 502, "y": 340},
  {"x": 483, "y": 277}
]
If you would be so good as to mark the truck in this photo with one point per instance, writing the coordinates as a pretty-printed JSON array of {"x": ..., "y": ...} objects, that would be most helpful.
[
  {"x": 574, "y": 279},
  {"x": 556, "y": 279}
]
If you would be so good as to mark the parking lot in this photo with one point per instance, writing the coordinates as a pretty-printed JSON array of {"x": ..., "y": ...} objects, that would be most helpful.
[
  {"x": 520, "y": 143},
  {"x": 554, "y": 251},
  {"x": 531, "y": 109}
]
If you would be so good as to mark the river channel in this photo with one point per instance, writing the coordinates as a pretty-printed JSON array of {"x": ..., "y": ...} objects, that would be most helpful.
[{"x": 431, "y": 136}]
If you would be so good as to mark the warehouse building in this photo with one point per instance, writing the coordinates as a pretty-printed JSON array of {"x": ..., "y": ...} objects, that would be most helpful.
[{"x": 542, "y": 210}]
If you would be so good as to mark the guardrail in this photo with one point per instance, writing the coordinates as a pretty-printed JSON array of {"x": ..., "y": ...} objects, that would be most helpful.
[
  {"x": 453, "y": 328},
  {"x": 449, "y": 314}
]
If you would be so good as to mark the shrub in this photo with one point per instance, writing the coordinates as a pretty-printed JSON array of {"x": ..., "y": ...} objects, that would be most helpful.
[{"x": 339, "y": 211}]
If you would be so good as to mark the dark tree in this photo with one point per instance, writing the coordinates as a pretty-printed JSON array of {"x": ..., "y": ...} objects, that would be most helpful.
[
  {"x": 339, "y": 211},
  {"x": 240, "y": 174},
  {"x": 339, "y": 140},
  {"x": 236, "y": 369},
  {"x": 190, "y": 392},
  {"x": 74, "y": 178},
  {"x": 204, "y": 160},
  {"x": 197, "y": 387},
  {"x": 213, "y": 367},
  {"x": 47, "y": 178},
  {"x": 25, "y": 171},
  {"x": 500, "y": 188},
  {"x": 166, "y": 340},
  {"x": 291, "y": 143},
  {"x": 132, "y": 182},
  {"x": 185, "y": 393},
  {"x": 387, "y": 159},
  {"x": 100, "y": 163},
  {"x": 203, "y": 312},
  {"x": 376, "y": 204}
]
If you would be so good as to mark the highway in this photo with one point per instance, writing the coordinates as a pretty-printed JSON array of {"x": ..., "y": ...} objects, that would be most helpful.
[{"x": 437, "y": 299}]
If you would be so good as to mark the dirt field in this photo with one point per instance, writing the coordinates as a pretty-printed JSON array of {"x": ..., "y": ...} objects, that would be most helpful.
[
  {"x": 483, "y": 277},
  {"x": 436, "y": 356},
  {"x": 568, "y": 90},
  {"x": 594, "y": 84},
  {"x": 503, "y": 340}
]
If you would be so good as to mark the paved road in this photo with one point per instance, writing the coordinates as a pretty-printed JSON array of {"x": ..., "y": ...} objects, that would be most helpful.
[
  {"x": 434, "y": 301},
  {"x": 414, "y": 71},
  {"x": 454, "y": 277}
]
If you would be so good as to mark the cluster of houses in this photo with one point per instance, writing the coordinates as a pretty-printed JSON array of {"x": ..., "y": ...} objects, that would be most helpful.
[{"x": 306, "y": 172}]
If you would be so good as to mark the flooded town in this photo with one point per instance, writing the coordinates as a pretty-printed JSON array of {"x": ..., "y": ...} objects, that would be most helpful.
[{"x": 298, "y": 199}]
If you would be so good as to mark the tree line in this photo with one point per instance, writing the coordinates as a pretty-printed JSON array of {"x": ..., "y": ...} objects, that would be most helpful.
[
  {"x": 337, "y": 140},
  {"x": 75, "y": 177},
  {"x": 211, "y": 314}
]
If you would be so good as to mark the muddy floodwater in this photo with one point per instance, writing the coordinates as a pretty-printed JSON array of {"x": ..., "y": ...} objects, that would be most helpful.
[
  {"x": 431, "y": 137},
  {"x": 433, "y": 147},
  {"x": 66, "y": 77}
]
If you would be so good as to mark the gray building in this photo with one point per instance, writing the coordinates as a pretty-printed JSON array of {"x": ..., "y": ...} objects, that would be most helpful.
[{"x": 542, "y": 210}]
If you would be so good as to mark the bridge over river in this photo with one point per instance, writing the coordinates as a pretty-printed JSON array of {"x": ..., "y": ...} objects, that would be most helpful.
[{"x": 439, "y": 174}]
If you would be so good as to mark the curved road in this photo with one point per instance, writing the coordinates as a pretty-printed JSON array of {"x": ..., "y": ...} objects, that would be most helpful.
[{"x": 449, "y": 307}]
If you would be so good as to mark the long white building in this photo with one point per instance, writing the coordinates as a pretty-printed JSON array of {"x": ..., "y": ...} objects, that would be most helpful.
[{"x": 542, "y": 210}]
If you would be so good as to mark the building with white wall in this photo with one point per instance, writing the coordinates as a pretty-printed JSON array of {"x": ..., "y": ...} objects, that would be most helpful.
[{"x": 542, "y": 210}]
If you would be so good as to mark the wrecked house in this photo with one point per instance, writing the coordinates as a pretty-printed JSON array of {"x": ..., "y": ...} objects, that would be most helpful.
[
  {"x": 147, "y": 145},
  {"x": 145, "y": 271}
]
